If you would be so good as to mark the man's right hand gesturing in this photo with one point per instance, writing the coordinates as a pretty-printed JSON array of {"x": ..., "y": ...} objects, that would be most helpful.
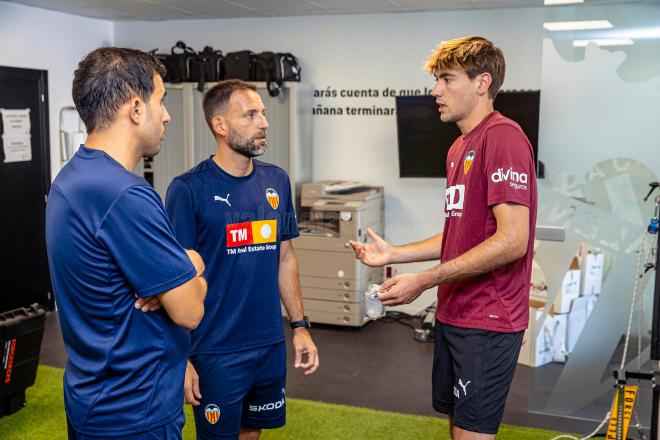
[{"x": 377, "y": 253}]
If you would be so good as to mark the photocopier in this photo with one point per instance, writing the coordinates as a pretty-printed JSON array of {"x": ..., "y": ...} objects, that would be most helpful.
[{"x": 333, "y": 280}]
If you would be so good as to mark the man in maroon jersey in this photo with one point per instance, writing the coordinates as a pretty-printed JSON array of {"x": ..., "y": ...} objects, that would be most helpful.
[{"x": 486, "y": 247}]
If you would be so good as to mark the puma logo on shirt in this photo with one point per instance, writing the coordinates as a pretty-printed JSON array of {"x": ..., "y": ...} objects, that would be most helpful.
[{"x": 221, "y": 199}]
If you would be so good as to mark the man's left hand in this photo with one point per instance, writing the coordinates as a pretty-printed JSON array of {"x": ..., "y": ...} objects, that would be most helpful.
[
  {"x": 401, "y": 289},
  {"x": 303, "y": 345},
  {"x": 148, "y": 304}
]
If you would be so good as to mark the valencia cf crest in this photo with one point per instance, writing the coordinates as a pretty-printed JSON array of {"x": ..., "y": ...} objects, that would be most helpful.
[
  {"x": 467, "y": 162},
  {"x": 212, "y": 413},
  {"x": 273, "y": 198}
]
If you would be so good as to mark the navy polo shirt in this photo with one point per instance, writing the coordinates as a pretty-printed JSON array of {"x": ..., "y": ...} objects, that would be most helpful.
[
  {"x": 109, "y": 240},
  {"x": 237, "y": 224}
]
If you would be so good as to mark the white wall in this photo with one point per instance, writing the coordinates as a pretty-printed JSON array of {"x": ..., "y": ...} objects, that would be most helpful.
[
  {"x": 599, "y": 103},
  {"x": 40, "y": 39},
  {"x": 359, "y": 52},
  {"x": 595, "y": 114}
]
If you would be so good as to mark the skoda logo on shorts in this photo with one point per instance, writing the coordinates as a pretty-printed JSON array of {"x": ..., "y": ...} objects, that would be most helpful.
[{"x": 212, "y": 413}]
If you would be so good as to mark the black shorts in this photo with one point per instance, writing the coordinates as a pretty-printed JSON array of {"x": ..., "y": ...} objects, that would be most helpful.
[{"x": 472, "y": 372}]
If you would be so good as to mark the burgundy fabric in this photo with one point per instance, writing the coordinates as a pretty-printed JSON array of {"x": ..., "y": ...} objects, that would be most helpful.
[{"x": 492, "y": 164}]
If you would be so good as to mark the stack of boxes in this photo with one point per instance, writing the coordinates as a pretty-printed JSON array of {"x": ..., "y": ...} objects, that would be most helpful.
[{"x": 554, "y": 337}]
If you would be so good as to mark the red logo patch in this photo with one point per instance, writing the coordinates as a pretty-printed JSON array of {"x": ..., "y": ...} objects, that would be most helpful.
[{"x": 239, "y": 234}]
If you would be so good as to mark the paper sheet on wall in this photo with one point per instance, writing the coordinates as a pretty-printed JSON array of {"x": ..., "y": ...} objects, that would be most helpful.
[
  {"x": 16, "y": 137},
  {"x": 17, "y": 148},
  {"x": 15, "y": 121}
]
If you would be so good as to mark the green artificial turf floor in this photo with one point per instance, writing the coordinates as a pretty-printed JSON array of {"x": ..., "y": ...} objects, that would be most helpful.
[{"x": 43, "y": 418}]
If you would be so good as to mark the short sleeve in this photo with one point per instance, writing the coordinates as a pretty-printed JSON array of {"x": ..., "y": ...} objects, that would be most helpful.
[
  {"x": 290, "y": 226},
  {"x": 180, "y": 210},
  {"x": 138, "y": 235},
  {"x": 508, "y": 165}
]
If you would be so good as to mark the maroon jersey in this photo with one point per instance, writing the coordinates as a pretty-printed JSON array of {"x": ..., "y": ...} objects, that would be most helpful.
[{"x": 492, "y": 164}]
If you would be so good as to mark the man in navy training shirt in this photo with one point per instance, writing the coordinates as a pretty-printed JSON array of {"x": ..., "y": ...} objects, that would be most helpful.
[
  {"x": 109, "y": 242},
  {"x": 238, "y": 213}
]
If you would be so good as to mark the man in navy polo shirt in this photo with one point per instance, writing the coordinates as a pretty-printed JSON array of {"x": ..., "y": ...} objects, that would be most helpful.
[
  {"x": 238, "y": 213},
  {"x": 109, "y": 242}
]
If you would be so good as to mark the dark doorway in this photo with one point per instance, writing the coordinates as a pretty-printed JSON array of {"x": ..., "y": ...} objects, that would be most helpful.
[{"x": 24, "y": 184}]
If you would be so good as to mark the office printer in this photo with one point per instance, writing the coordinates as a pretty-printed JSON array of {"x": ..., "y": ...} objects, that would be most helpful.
[{"x": 333, "y": 281}]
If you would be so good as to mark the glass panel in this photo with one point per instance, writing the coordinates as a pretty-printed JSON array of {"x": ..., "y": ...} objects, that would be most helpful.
[
  {"x": 598, "y": 135},
  {"x": 604, "y": 215}
]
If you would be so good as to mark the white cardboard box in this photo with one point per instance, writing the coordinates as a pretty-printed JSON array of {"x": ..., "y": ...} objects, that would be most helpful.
[
  {"x": 593, "y": 273},
  {"x": 535, "y": 351},
  {"x": 577, "y": 319},
  {"x": 556, "y": 339},
  {"x": 570, "y": 288}
]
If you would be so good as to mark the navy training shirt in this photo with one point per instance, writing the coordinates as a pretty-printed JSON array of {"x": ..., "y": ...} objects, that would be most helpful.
[
  {"x": 109, "y": 239},
  {"x": 237, "y": 225}
]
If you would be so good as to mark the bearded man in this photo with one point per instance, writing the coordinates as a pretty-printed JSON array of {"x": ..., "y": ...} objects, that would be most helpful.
[{"x": 237, "y": 212}]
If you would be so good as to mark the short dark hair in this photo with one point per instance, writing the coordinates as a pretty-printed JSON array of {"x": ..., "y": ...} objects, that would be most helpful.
[
  {"x": 217, "y": 97},
  {"x": 107, "y": 78}
]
